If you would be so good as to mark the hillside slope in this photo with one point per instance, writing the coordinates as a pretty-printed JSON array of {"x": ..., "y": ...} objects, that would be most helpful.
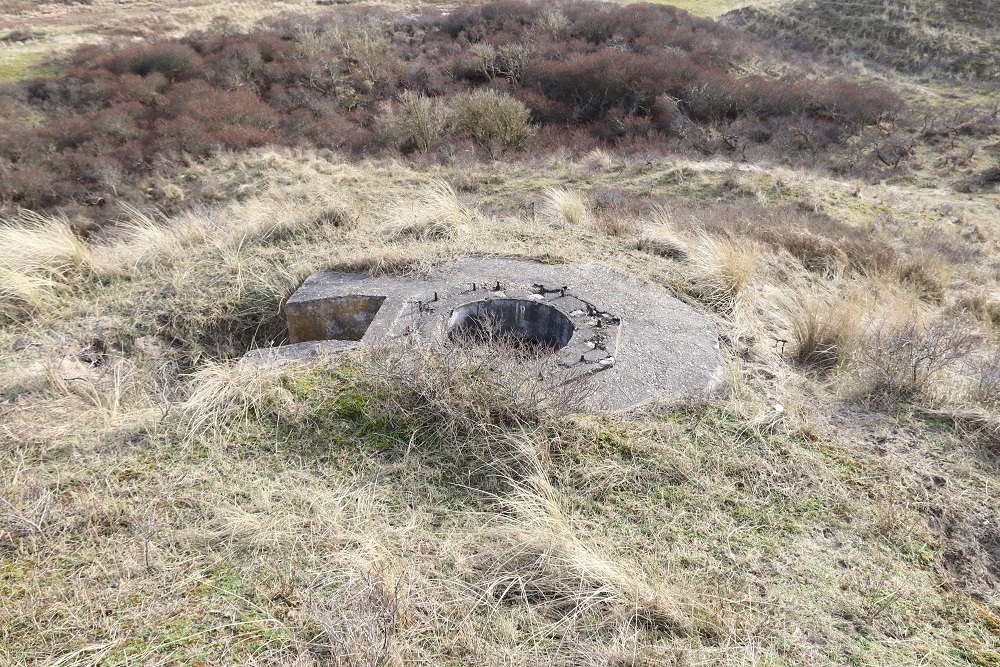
[{"x": 950, "y": 38}]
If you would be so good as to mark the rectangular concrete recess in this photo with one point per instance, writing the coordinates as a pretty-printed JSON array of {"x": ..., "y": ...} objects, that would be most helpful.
[{"x": 337, "y": 318}]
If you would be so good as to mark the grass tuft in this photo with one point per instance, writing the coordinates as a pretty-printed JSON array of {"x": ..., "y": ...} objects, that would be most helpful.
[
  {"x": 565, "y": 207},
  {"x": 825, "y": 332},
  {"x": 38, "y": 256},
  {"x": 435, "y": 213},
  {"x": 724, "y": 268},
  {"x": 226, "y": 397}
]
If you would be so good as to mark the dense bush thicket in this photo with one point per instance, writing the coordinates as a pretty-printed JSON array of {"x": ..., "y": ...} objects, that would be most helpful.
[{"x": 500, "y": 77}]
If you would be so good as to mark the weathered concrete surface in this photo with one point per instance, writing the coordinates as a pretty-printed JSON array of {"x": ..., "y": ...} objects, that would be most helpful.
[{"x": 631, "y": 341}]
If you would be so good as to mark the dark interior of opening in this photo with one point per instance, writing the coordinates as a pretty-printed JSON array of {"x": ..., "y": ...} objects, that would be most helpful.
[{"x": 518, "y": 321}]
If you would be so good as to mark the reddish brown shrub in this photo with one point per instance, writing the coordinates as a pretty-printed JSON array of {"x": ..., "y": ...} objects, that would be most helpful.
[
  {"x": 173, "y": 60},
  {"x": 640, "y": 77}
]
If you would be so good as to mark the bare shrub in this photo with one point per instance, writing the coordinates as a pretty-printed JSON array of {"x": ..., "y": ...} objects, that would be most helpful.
[
  {"x": 594, "y": 79},
  {"x": 986, "y": 379},
  {"x": 361, "y": 619},
  {"x": 504, "y": 61},
  {"x": 172, "y": 60},
  {"x": 904, "y": 357},
  {"x": 418, "y": 124},
  {"x": 633, "y": 77},
  {"x": 367, "y": 49}
]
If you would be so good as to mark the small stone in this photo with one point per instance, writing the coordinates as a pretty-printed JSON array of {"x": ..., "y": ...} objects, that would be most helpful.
[
  {"x": 22, "y": 343},
  {"x": 607, "y": 363},
  {"x": 150, "y": 347},
  {"x": 589, "y": 345},
  {"x": 536, "y": 297},
  {"x": 576, "y": 313}
]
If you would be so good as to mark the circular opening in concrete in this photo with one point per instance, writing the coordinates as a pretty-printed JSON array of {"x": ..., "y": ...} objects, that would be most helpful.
[{"x": 519, "y": 322}]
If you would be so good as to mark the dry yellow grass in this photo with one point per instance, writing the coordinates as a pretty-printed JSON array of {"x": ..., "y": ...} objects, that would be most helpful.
[
  {"x": 565, "y": 207},
  {"x": 37, "y": 256},
  {"x": 723, "y": 268},
  {"x": 161, "y": 504},
  {"x": 826, "y": 332},
  {"x": 401, "y": 507},
  {"x": 435, "y": 212}
]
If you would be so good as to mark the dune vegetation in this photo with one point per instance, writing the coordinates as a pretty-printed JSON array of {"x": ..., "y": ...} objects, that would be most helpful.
[{"x": 163, "y": 504}]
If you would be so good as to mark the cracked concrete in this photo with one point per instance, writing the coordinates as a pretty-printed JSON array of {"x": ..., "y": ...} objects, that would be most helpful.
[{"x": 631, "y": 341}]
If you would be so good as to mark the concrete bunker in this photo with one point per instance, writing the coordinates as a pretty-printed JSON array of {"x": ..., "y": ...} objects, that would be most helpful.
[
  {"x": 521, "y": 322},
  {"x": 625, "y": 342},
  {"x": 336, "y": 318}
]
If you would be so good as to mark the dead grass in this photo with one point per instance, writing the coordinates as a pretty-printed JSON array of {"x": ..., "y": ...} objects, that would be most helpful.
[
  {"x": 826, "y": 332},
  {"x": 38, "y": 256},
  {"x": 403, "y": 507},
  {"x": 228, "y": 396},
  {"x": 723, "y": 268},
  {"x": 564, "y": 207},
  {"x": 435, "y": 213},
  {"x": 548, "y": 562}
]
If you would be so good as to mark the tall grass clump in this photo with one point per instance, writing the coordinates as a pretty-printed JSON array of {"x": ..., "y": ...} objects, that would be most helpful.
[
  {"x": 724, "y": 268},
  {"x": 436, "y": 213},
  {"x": 563, "y": 206},
  {"x": 825, "y": 332},
  {"x": 38, "y": 256}
]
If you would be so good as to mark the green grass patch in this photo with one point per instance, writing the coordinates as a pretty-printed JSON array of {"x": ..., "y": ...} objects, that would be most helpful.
[{"x": 16, "y": 66}]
